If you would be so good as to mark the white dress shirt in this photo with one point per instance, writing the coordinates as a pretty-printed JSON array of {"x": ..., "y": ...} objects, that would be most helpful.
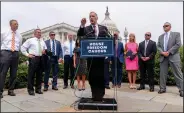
[
  {"x": 31, "y": 46},
  {"x": 6, "y": 40},
  {"x": 66, "y": 47},
  {"x": 52, "y": 45},
  {"x": 168, "y": 35}
]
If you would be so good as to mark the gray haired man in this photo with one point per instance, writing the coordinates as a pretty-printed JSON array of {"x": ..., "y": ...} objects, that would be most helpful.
[{"x": 168, "y": 46}]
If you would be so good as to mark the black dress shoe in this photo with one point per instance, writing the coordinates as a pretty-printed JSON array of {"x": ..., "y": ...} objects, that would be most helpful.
[
  {"x": 39, "y": 92},
  {"x": 151, "y": 90},
  {"x": 54, "y": 88},
  {"x": 65, "y": 87},
  {"x": 72, "y": 87},
  {"x": 113, "y": 86},
  {"x": 107, "y": 87},
  {"x": 45, "y": 89},
  {"x": 181, "y": 93},
  {"x": 161, "y": 91},
  {"x": 11, "y": 93},
  {"x": 140, "y": 88},
  {"x": 31, "y": 93},
  {"x": 80, "y": 89}
]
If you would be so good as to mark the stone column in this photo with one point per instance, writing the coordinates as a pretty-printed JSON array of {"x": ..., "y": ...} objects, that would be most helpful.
[
  {"x": 62, "y": 37},
  {"x": 65, "y": 36},
  {"x": 57, "y": 37}
]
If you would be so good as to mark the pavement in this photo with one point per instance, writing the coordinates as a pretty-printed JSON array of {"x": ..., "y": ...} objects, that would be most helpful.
[{"x": 129, "y": 100}]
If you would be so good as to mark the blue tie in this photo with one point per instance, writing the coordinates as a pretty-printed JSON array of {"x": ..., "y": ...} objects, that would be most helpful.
[
  {"x": 70, "y": 48},
  {"x": 166, "y": 41},
  {"x": 53, "y": 48}
]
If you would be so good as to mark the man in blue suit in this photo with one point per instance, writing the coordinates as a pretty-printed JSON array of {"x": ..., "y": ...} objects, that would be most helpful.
[
  {"x": 54, "y": 55},
  {"x": 119, "y": 59}
]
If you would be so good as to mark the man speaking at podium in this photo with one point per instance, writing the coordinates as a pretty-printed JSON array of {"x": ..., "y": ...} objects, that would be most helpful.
[{"x": 96, "y": 64}]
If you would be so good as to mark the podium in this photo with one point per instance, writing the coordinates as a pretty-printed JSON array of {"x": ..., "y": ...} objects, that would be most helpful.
[{"x": 97, "y": 47}]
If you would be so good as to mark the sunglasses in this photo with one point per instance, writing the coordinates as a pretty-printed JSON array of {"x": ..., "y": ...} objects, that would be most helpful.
[
  {"x": 52, "y": 34},
  {"x": 166, "y": 26},
  {"x": 147, "y": 35}
]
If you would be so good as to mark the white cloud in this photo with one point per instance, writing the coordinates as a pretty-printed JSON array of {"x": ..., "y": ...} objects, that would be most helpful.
[{"x": 138, "y": 17}]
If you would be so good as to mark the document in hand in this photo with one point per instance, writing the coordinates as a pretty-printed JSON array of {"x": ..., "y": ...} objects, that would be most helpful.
[{"x": 130, "y": 54}]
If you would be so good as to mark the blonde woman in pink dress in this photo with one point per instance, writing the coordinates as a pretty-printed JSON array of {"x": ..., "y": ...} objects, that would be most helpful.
[{"x": 131, "y": 64}]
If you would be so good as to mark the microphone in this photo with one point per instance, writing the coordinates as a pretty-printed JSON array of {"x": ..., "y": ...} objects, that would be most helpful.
[
  {"x": 93, "y": 31},
  {"x": 108, "y": 33}
]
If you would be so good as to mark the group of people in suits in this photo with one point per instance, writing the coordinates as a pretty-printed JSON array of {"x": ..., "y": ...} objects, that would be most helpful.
[{"x": 134, "y": 56}]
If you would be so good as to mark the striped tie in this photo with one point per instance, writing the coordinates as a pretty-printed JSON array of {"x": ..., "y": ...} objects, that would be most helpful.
[{"x": 13, "y": 42}]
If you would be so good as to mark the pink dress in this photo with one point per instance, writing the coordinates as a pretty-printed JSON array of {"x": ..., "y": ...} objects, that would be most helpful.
[{"x": 132, "y": 64}]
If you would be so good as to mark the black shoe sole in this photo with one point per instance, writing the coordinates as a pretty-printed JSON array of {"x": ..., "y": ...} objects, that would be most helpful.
[
  {"x": 151, "y": 90},
  {"x": 140, "y": 88},
  {"x": 54, "y": 89},
  {"x": 11, "y": 94},
  {"x": 39, "y": 92},
  {"x": 32, "y": 94},
  {"x": 160, "y": 92}
]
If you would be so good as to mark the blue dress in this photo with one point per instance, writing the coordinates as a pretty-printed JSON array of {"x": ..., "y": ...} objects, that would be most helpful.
[{"x": 81, "y": 63}]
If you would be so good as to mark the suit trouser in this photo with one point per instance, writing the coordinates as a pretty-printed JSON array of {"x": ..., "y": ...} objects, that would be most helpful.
[
  {"x": 35, "y": 68},
  {"x": 51, "y": 63},
  {"x": 96, "y": 77},
  {"x": 106, "y": 73},
  {"x": 68, "y": 64},
  {"x": 117, "y": 79},
  {"x": 176, "y": 69},
  {"x": 96, "y": 81},
  {"x": 8, "y": 60},
  {"x": 146, "y": 67}
]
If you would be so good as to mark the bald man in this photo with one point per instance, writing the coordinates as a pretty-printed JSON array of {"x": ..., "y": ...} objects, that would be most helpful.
[
  {"x": 95, "y": 65},
  {"x": 147, "y": 52}
]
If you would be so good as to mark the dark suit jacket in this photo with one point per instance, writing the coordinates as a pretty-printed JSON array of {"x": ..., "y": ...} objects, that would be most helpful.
[
  {"x": 150, "y": 51},
  {"x": 103, "y": 32},
  {"x": 59, "y": 52},
  {"x": 120, "y": 52}
]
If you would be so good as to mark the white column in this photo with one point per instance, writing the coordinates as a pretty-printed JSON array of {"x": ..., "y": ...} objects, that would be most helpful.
[
  {"x": 57, "y": 37},
  {"x": 62, "y": 37}
]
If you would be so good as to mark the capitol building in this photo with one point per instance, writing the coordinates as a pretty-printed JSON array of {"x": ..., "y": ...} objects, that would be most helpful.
[{"x": 63, "y": 29}]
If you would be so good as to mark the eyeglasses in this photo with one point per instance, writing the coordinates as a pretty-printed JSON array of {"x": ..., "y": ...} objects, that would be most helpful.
[
  {"x": 166, "y": 26},
  {"x": 52, "y": 34},
  {"x": 147, "y": 35}
]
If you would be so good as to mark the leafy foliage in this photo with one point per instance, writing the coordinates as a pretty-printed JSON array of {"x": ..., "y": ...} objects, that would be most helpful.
[{"x": 21, "y": 80}]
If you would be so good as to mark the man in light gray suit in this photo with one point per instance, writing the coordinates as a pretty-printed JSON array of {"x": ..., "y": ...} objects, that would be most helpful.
[{"x": 168, "y": 46}]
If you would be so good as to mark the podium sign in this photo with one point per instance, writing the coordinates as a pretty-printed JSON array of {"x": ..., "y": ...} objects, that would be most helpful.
[{"x": 100, "y": 47}]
